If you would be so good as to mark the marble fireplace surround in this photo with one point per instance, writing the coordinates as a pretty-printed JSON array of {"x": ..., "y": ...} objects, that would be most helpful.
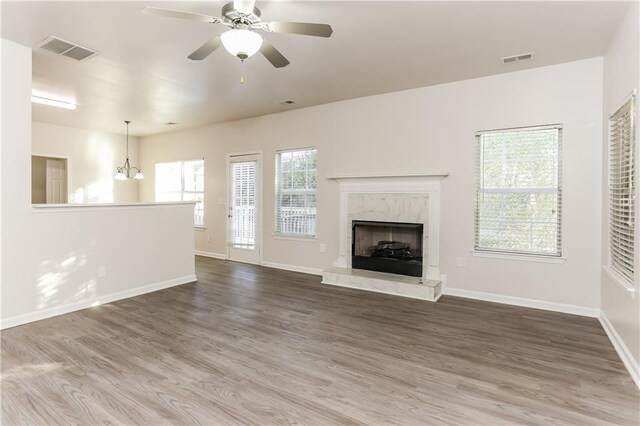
[{"x": 411, "y": 198}]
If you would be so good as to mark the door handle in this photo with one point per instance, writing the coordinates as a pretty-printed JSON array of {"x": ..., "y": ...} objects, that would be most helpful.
[{"x": 230, "y": 215}]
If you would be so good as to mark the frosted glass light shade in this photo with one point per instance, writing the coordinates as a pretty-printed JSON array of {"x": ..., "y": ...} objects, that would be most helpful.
[
  {"x": 139, "y": 175},
  {"x": 121, "y": 176},
  {"x": 241, "y": 43}
]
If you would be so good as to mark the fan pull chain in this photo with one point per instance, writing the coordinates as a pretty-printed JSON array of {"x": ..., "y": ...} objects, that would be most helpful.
[{"x": 241, "y": 73}]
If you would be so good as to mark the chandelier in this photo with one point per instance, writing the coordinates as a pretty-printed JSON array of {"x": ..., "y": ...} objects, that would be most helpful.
[{"x": 125, "y": 172}]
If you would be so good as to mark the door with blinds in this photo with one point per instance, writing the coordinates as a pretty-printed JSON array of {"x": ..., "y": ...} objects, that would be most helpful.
[{"x": 243, "y": 218}]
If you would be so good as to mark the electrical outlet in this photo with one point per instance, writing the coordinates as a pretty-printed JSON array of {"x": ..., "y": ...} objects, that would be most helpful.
[
  {"x": 461, "y": 262},
  {"x": 323, "y": 248},
  {"x": 208, "y": 238},
  {"x": 102, "y": 271}
]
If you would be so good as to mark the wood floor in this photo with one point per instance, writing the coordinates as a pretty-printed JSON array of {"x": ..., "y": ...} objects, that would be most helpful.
[{"x": 251, "y": 345}]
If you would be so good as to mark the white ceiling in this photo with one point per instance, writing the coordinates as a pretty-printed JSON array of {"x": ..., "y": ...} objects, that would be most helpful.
[{"x": 142, "y": 72}]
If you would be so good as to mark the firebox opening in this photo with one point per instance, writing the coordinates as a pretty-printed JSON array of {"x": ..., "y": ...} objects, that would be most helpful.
[{"x": 392, "y": 247}]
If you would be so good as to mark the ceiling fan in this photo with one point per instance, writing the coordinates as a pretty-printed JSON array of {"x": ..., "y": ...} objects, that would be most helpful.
[{"x": 242, "y": 40}]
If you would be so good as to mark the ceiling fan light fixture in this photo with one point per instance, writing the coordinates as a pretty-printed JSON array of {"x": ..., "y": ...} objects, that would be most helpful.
[{"x": 241, "y": 42}]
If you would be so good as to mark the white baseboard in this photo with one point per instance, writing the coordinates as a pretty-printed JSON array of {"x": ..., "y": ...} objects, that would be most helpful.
[
  {"x": 625, "y": 355},
  {"x": 303, "y": 269},
  {"x": 94, "y": 301},
  {"x": 521, "y": 301},
  {"x": 209, "y": 254}
]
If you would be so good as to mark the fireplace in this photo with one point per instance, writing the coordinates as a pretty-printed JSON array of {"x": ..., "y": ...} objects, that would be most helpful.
[{"x": 393, "y": 247}]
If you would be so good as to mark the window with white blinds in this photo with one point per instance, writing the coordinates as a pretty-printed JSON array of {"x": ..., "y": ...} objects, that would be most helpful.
[
  {"x": 243, "y": 204},
  {"x": 621, "y": 189},
  {"x": 182, "y": 181},
  {"x": 296, "y": 181},
  {"x": 518, "y": 191}
]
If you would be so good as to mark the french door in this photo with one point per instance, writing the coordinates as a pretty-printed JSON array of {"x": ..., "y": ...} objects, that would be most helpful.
[{"x": 243, "y": 218}]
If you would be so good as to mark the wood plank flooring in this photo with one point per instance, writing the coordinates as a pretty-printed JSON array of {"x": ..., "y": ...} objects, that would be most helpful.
[{"x": 252, "y": 345}]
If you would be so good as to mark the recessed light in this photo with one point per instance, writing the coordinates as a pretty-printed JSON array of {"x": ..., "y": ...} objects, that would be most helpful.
[
  {"x": 170, "y": 123},
  {"x": 52, "y": 102}
]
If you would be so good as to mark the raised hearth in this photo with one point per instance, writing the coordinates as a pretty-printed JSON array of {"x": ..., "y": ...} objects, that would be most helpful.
[{"x": 382, "y": 282}]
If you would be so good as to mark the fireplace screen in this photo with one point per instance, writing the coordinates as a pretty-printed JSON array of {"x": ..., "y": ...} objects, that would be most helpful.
[{"x": 387, "y": 247}]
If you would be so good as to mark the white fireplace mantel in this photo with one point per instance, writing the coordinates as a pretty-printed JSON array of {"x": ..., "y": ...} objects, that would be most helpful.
[
  {"x": 389, "y": 176},
  {"x": 413, "y": 198},
  {"x": 423, "y": 183}
]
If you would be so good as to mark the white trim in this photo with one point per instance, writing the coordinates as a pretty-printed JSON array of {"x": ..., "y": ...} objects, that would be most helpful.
[
  {"x": 94, "y": 301},
  {"x": 199, "y": 228},
  {"x": 42, "y": 208},
  {"x": 516, "y": 256},
  {"x": 293, "y": 268},
  {"x": 383, "y": 176},
  {"x": 221, "y": 256},
  {"x": 309, "y": 239},
  {"x": 521, "y": 301},
  {"x": 623, "y": 352},
  {"x": 620, "y": 280}
]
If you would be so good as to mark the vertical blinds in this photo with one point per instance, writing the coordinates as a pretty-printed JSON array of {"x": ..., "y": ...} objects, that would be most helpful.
[
  {"x": 622, "y": 188},
  {"x": 243, "y": 204},
  {"x": 519, "y": 191},
  {"x": 296, "y": 182}
]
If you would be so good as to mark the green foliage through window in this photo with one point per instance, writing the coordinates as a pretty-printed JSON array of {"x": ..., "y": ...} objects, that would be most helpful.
[{"x": 518, "y": 192}]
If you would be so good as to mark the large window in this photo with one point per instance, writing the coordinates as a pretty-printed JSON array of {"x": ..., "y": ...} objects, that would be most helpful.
[
  {"x": 296, "y": 178},
  {"x": 182, "y": 181},
  {"x": 622, "y": 189},
  {"x": 518, "y": 192}
]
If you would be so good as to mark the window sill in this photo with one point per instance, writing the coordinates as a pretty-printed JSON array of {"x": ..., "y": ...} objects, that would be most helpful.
[
  {"x": 199, "y": 228},
  {"x": 293, "y": 238},
  {"x": 618, "y": 279},
  {"x": 515, "y": 256}
]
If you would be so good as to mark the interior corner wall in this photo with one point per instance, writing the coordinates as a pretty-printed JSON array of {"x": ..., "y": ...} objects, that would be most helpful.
[
  {"x": 52, "y": 259},
  {"x": 429, "y": 129},
  {"x": 620, "y": 307},
  {"x": 38, "y": 180},
  {"x": 92, "y": 158}
]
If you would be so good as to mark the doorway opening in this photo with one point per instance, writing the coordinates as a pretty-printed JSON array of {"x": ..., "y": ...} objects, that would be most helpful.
[
  {"x": 49, "y": 180},
  {"x": 244, "y": 216}
]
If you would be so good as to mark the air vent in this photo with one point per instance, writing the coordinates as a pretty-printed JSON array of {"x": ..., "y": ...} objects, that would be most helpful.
[
  {"x": 66, "y": 48},
  {"x": 288, "y": 102},
  {"x": 517, "y": 58}
]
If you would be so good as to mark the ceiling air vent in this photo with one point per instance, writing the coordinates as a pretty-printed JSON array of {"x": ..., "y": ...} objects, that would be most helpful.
[
  {"x": 517, "y": 58},
  {"x": 66, "y": 48}
]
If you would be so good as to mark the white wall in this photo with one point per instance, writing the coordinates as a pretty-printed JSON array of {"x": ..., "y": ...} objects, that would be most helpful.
[
  {"x": 423, "y": 130},
  {"x": 92, "y": 158},
  {"x": 622, "y": 75},
  {"x": 51, "y": 260}
]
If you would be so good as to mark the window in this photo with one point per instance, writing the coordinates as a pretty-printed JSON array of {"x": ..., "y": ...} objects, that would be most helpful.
[
  {"x": 182, "y": 181},
  {"x": 621, "y": 189},
  {"x": 296, "y": 178},
  {"x": 518, "y": 192}
]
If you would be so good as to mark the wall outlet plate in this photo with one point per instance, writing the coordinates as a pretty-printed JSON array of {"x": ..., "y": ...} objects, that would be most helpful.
[
  {"x": 461, "y": 262},
  {"x": 102, "y": 271},
  {"x": 323, "y": 248}
]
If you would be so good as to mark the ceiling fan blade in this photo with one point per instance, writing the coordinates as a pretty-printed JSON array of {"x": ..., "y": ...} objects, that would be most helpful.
[
  {"x": 244, "y": 6},
  {"x": 168, "y": 13},
  {"x": 206, "y": 49},
  {"x": 273, "y": 55},
  {"x": 304, "y": 28}
]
